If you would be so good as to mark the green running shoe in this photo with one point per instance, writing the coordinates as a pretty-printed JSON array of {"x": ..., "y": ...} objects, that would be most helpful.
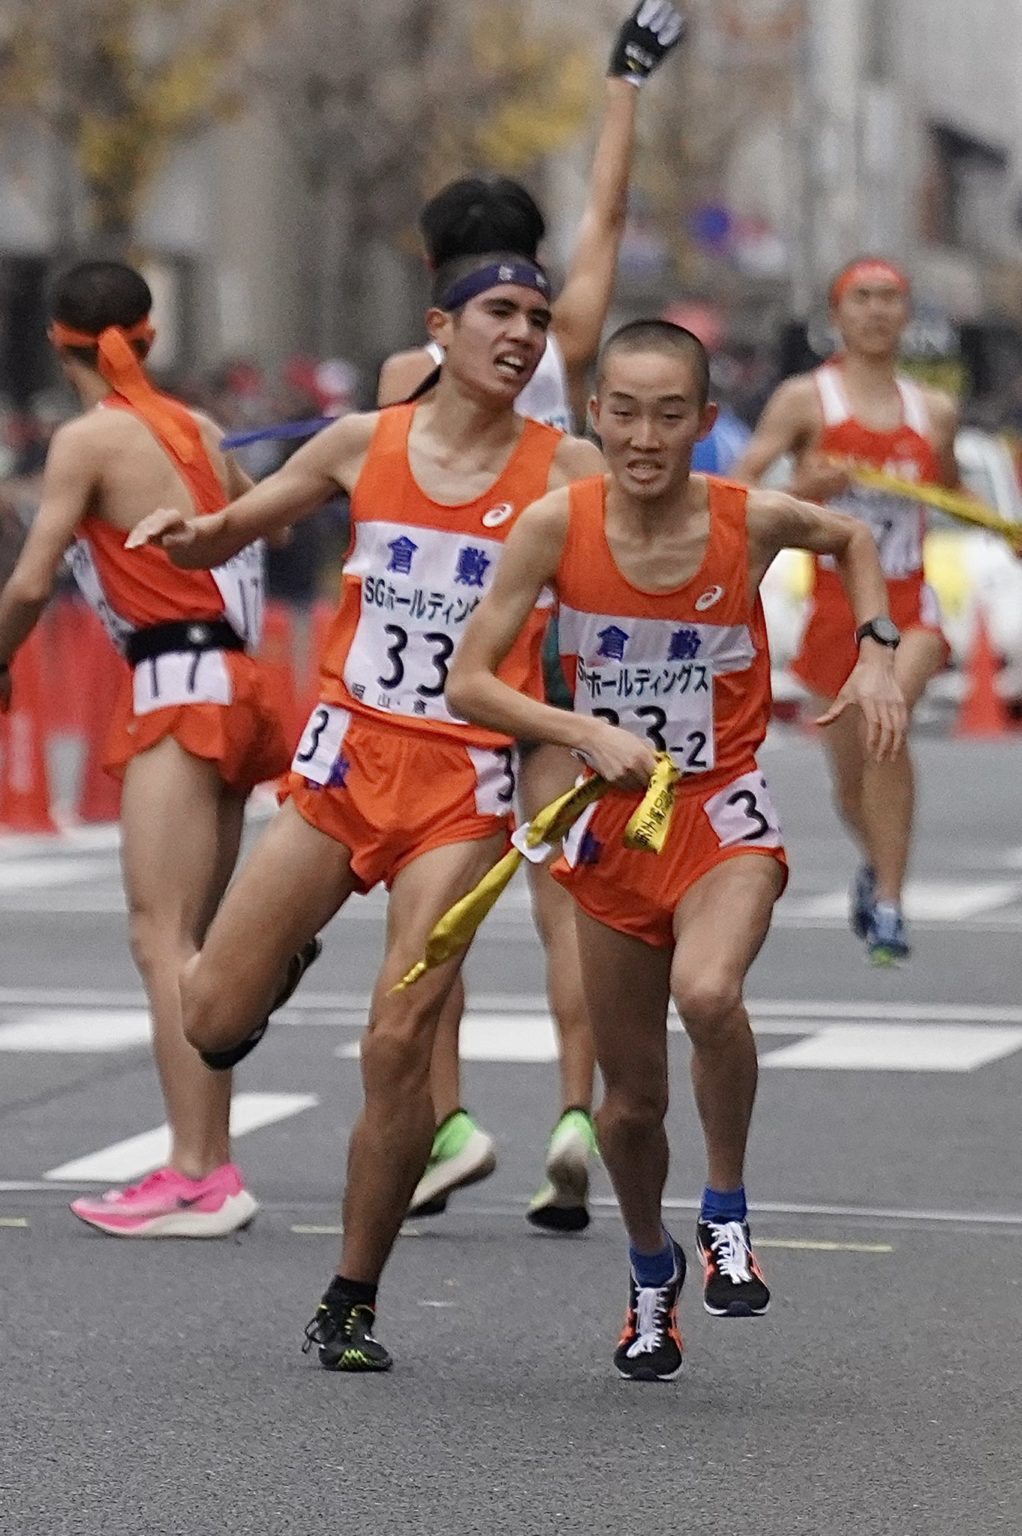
[
  {"x": 342, "y": 1333},
  {"x": 462, "y": 1154},
  {"x": 561, "y": 1205}
]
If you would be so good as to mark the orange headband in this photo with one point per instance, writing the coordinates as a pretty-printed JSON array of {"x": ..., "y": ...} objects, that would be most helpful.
[
  {"x": 866, "y": 271},
  {"x": 117, "y": 363}
]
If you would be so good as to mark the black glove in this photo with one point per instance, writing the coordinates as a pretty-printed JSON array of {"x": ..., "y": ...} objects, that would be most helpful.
[{"x": 645, "y": 40}]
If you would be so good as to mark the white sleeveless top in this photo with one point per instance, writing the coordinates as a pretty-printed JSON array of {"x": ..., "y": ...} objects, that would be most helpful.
[{"x": 545, "y": 397}]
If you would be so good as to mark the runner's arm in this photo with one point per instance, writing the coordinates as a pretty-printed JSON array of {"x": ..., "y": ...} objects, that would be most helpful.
[
  {"x": 580, "y": 310},
  {"x": 293, "y": 492},
  {"x": 401, "y": 375},
  {"x": 645, "y": 39},
  {"x": 777, "y": 521},
  {"x": 945, "y": 421},
  {"x": 69, "y": 481},
  {"x": 528, "y": 564},
  {"x": 788, "y": 425}
]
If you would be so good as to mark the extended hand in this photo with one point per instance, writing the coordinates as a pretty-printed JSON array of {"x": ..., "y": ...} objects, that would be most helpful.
[
  {"x": 645, "y": 40},
  {"x": 624, "y": 760},
  {"x": 185, "y": 539},
  {"x": 873, "y": 687}
]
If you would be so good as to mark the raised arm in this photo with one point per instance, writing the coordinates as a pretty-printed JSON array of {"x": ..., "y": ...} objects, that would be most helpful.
[
  {"x": 70, "y": 478},
  {"x": 653, "y": 29},
  {"x": 302, "y": 485},
  {"x": 528, "y": 564},
  {"x": 777, "y": 521}
]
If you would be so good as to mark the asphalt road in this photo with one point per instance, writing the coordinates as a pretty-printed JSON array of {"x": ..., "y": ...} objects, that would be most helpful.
[{"x": 159, "y": 1387}]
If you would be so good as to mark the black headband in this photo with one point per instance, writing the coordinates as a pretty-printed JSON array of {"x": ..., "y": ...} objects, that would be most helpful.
[{"x": 517, "y": 269}]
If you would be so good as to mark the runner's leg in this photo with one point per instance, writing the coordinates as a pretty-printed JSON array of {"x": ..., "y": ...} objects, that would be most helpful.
[
  {"x": 291, "y": 885},
  {"x": 720, "y": 924},
  {"x": 391, "y": 1139},
  {"x": 627, "y": 989},
  {"x": 888, "y": 789},
  {"x": 547, "y": 772},
  {"x": 170, "y": 819}
]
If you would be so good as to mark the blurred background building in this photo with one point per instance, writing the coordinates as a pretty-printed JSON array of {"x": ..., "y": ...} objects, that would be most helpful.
[{"x": 265, "y": 161}]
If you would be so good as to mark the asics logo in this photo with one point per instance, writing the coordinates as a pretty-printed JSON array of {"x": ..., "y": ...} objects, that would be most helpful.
[
  {"x": 708, "y": 598},
  {"x": 498, "y": 514}
]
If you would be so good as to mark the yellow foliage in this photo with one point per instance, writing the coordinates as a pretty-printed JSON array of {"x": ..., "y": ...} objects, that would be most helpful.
[{"x": 139, "y": 105}]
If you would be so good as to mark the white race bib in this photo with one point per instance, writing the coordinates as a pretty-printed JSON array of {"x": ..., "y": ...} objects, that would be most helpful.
[
  {"x": 181, "y": 677},
  {"x": 319, "y": 752},
  {"x": 671, "y": 705},
  {"x": 895, "y": 524},
  {"x": 419, "y": 588},
  {"x": 241, "y": 583},
  {"x": 743, "y": 812}
]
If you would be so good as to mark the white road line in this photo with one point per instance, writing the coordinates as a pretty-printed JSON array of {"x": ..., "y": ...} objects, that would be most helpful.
[
  {"x": 896, "y": 1048},
  {"x": 941, "y": 901},
  {"x": 847, "y": 1212},
  {"x": 22, "y": 875},
  {"x": 91, "y": 839},
  {"x": 82, "y": 1031},
  {"x": 140, "y": 1154}
]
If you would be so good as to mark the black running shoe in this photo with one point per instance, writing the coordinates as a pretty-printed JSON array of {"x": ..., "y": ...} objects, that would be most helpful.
[
  {"x": 733, "y": 1284},
  {"x": 223, "y": 1061},
  {"x": 343, "y": 1332},
  {"x": 650, "y": 1347}
]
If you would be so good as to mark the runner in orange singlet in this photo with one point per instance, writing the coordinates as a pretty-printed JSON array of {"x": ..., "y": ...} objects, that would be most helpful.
[
  {"x": 388, "y": 784},
  {"x": 657, "y": 574},
  {"x": 192, "y": 734},
  {"x": 857, "y": 409}
]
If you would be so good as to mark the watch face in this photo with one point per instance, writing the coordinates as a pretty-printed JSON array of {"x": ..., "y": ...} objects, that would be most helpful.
[{"x": 886, "y": 631}]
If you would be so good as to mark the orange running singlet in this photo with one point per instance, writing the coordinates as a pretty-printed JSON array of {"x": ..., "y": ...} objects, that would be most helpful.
[
  {"x": 415, "y": 573},
  {"x": 214, "y": 702},
  {"x": 131, "y": 591},
  {"x": 897, "y": 524},
  {"x": 689, "y": 668},
  {"x": 828, "y": 652}
]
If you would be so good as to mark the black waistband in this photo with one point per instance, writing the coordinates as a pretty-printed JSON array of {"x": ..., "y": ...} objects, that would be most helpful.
[{"x": 182, "y": 635}]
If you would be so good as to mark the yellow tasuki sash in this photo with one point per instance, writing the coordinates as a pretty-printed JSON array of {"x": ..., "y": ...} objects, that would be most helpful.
[
  {"x": 647, "y": 830},
  {"x": 963, "y": 508}
]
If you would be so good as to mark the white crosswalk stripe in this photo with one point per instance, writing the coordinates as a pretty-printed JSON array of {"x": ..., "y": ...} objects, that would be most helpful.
[{"x": 138, "y": 1155}]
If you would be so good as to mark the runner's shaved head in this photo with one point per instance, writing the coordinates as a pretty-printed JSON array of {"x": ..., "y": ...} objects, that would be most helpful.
[{"x": 665, "y": 338}]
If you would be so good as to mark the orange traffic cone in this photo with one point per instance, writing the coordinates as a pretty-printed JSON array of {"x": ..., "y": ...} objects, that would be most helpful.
[
  {"x": 102, "y": 674},
  {"x": 983, "y": 714},
  {"x": 24, "y": 776}
]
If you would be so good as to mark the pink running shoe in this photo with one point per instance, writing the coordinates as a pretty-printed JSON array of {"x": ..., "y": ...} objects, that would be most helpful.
[{"x": 167, "y": 1204}]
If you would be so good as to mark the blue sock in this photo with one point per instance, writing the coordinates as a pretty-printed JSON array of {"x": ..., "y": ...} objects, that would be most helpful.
[
  {"x": 724, "y": 1205},
  {"x": 653, "y": 1269}
]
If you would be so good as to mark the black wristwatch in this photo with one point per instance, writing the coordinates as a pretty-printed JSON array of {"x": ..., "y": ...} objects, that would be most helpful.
[{"x": 883, "y": 631}]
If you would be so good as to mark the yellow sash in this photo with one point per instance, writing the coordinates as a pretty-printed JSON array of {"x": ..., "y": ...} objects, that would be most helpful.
[
  {"x": 647, "y": 830},
  {"x": 963, "y": 508}
]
